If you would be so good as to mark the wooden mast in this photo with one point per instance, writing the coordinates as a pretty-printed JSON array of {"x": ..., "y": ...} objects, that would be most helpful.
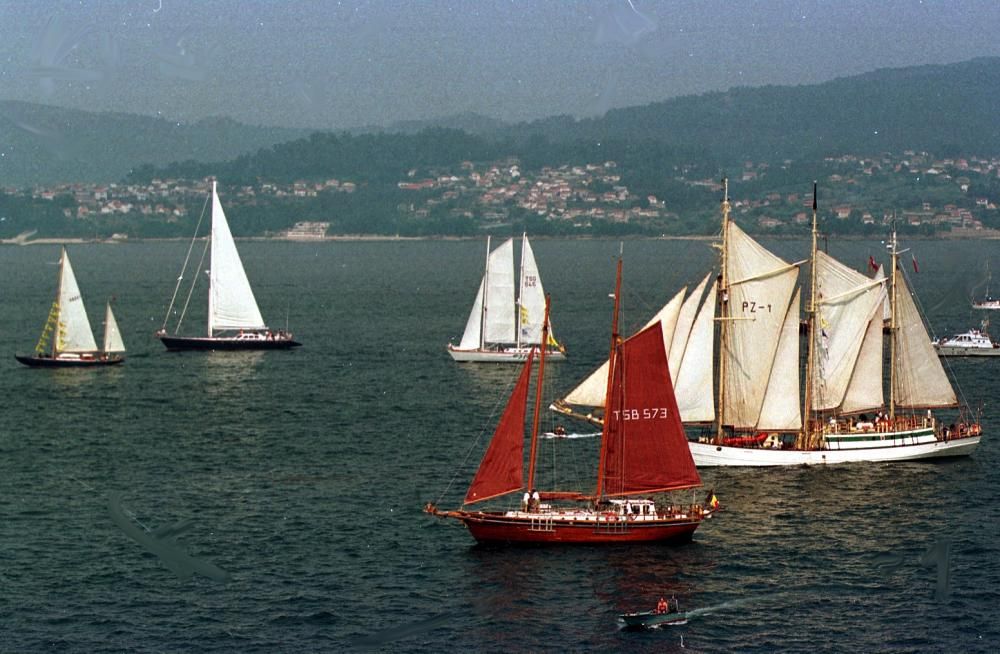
[
  {"x": 723, "y": 311},
  {"x": 615, "y": 339},
  {"x": 538, "y": 400},
  {"x": 892, "y": 326},
  {"x": 805, "y": 438}
]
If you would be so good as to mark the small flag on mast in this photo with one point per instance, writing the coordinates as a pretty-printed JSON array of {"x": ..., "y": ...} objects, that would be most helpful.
[
  {"x": 872, "y": 264},
  {"x": 916, "y": 268}
]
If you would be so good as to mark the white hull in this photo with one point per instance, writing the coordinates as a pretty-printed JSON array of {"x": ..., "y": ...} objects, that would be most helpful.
[
  {"x": 506, "y": 355},
  {"x": 901, "y": 449},
  {"x": 945, "y": 351}
]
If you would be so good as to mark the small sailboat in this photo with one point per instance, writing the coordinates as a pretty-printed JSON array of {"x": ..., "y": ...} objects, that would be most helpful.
[
  {"x": 499, "y": 328},
  {"x": 643, "y": 453},
  {"x": 234, "y": 319},
  {"x": 988, "y": 302},
  {"x": 67, "y": 340}
]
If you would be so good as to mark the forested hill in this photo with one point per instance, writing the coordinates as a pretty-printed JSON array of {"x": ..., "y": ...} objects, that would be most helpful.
[
  {"x": 948, "y": 109},
  {"x": 42, "y": 144}
]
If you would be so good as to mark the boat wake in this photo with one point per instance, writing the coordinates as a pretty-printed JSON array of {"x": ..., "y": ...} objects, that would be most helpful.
[
  {"x": 709, "y": 610},
  {"x": 554, "y": 435}
]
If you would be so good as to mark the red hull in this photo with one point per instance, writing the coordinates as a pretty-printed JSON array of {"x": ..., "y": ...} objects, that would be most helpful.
[{"x": 498, "y": 528}]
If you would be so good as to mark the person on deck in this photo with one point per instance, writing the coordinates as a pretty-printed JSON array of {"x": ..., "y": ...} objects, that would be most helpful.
[{"x": 662, "y": 606}]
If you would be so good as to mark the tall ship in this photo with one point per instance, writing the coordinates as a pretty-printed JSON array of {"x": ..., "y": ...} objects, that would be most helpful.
[
  {"x": 643, "y": 457},
  {"x": 741, "y": 388},
  {"x": 234, "y": 319},
  {"x": 67, "y": 341},
  {"x": 500, "y": 328}
]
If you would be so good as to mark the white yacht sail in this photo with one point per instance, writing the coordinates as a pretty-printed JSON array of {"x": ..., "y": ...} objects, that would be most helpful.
[
  {"x": 531, "y": 298},
  {"x": 499, "y": 312},
  {"x": 472, "y": 337},
  {"x": 231, "y": 304},
  {"x": 682, "y": 330},
  {"x": 74, "y": 333},
  {"x": 112, "y": 336},
  {"x": 781, "y": 409},
  {"x": 920, "y": 380},
  {"x": 694, "y": 382},
  {"x": 864, "y": 393},
  {"x": 760, "y": 290}
]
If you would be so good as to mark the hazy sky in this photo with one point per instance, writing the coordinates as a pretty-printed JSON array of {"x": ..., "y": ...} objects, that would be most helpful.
[{"x": 344, "y": 64}]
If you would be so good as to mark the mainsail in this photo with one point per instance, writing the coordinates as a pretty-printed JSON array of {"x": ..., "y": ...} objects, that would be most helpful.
[
  {"x": 531, "y": 298},
  {"x": 231, "y": 304},
  {"x": 499, "y": 279},
  {"x": 644, "y": 448},
  {"x": 920, "y": 380},
  {"x": 760, "y": 289},
  {"x": 74, "y": 333},
  {"x": 112, "y": 336},
  {"x": 502, "y": 469}
]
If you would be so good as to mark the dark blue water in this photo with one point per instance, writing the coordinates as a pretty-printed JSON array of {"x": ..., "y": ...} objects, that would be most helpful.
[{"x": 303, "y": 475}]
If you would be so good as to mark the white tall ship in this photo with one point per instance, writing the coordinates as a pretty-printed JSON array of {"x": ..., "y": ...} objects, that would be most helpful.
[
  {"x": 761, "y": 395},
  {"x": 500, "y": 328}
]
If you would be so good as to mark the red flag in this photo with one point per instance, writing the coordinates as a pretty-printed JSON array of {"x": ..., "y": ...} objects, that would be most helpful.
[
  {"x": 916, "y": 268},
  {"x": 872, "y": 264}
]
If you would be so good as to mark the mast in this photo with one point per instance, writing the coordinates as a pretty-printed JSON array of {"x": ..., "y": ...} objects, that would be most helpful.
[
  {"x": 615, "y": 339},
  {"x": 486, "y": 294},
  {"x": 210, "y": 262},
  {"x": 805, "y": 436},
  {"x": 893, "y": 250},
  {"x": 520, "y": 291},
  {"x": 58, "y": 325},
  {"x": 538, "y": 400},
  {"x": 723, "y": 310}
]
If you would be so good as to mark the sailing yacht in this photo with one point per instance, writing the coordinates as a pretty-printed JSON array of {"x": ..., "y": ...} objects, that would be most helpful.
[
  {"x": 499, "y": 328},
  {"x": 67, "y": 341},
  {"x": 988, "y": 302},
  {"x": 756, "y": 415},
  {"x": 643, "y": 452},
  {"x": 234, "y": 320}
]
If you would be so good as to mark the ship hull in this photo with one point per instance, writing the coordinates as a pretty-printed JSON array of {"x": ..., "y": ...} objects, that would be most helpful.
[
  {"x": 59, "y": 362},
  {"x": 651, "y": 619},
  {"x": 542, "y": 529},
  {"x": 507, "y": 355},
  {"x": 948, "y": 351},
  {"x": 906, "y": 448},
  {"x": 180, "y": 343}
]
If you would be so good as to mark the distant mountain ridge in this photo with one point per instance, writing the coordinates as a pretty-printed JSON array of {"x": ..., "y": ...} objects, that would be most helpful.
[{"x": 43, "y": 144}]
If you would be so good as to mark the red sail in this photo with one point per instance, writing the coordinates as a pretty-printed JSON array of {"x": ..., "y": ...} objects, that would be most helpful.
[
  {"x": 502, "y": 469},
  {"x": 645, "y": 449}
]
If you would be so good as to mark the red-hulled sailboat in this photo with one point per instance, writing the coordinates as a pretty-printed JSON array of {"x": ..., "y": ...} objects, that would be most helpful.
[{"x": 644, "y": 454}]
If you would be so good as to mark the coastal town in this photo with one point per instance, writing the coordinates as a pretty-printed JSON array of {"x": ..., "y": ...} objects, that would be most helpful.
[{"x": 945, "y": 195}]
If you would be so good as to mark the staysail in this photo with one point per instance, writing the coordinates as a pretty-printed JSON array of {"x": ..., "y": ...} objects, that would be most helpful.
[
  {"x": 74, "y": 333},
  {"x": 644, "y": 448},
  {"x": 590, "y": 392},
  {"x": 112, "y": 336},
  {"x": 231, "y": 304},
  {"x": 920, "y": 380},
  {"x": 864, "y": 393},
  {"x": 682, "y": 330},
  {"x": 502, "y": 469},
  {"x": 694, "y": 382},
  {"x": 472, "y": 337},
  {"x": 760, "y": 289},
  {"x": 781, "y": 409}
]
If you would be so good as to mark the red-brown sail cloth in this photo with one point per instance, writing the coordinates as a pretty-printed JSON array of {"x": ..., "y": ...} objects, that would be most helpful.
[
  {"x": 502, "y": 469},
  {"x": 645, "y": 448}
]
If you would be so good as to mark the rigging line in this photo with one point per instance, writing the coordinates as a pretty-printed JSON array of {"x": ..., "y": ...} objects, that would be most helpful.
[
  {"x": 501, "y": 401},
  {"x": 180, "y": 278},
  {"x": 194, "y": 282}
]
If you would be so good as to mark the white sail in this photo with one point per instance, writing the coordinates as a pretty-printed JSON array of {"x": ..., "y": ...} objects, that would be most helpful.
[
  {"x": 231, "y": 304},
  {"x": 531, "y": 298},
  {"x": 760, "y": 289},
  {"x": 591, "y": 391},
  {"x": 474, "y": 326},
  {"x": 499, "y": 326},
  {"x": 845, "y": 304},
  {"x": 864, "y": 393},
  {"x": 694, "y": 382},
  {"x": 920, "y": 380},
  {"x": 74, "y": 332},
  {"x": 682, "y": 331},
  {"x": 112, "y": 336},
  {"x": 781, "y": 409}
]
